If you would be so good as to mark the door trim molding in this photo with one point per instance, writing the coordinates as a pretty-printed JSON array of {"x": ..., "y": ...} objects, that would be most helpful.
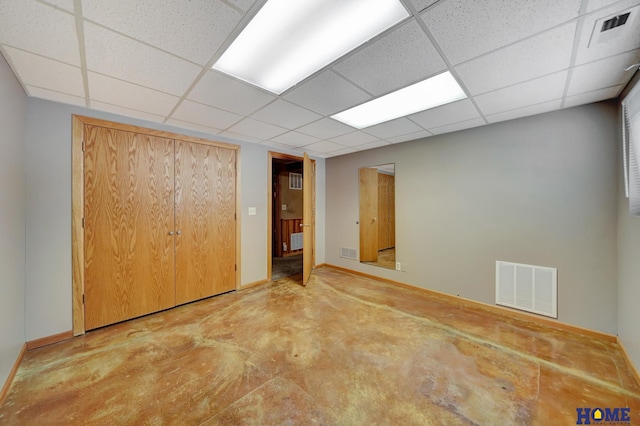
[
  {"x": 278, "y": 155},
  {"x": 77, "y": 201}
]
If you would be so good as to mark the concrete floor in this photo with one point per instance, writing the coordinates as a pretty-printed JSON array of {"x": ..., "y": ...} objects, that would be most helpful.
[{"x": 343, "y": 350}]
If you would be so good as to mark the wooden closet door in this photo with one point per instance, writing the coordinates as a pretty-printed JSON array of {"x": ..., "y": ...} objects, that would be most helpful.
[
  {"x": 205, "y": 221},
  {"x": 128, "y": 213}
]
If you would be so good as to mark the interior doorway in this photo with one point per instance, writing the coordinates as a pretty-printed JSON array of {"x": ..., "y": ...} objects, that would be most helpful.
[{"x": 286, "y": 216}]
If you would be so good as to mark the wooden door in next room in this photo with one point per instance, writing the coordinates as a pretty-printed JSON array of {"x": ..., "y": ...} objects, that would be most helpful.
[{"x": 205, "y": 214}]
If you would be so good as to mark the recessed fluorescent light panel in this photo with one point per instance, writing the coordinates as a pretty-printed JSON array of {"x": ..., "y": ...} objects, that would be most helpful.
[
  {"x": 288, "y": 40},
  {"x": 430, "y": 93}
]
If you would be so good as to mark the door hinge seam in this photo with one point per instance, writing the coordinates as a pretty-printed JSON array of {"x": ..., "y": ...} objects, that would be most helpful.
[{"x": 83, "y": 222}]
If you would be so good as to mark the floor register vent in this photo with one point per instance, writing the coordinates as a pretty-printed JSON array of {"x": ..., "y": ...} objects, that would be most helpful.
[{"x": 527, "y": 287}]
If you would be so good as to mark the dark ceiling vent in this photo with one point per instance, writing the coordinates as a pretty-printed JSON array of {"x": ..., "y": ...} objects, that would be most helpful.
[{"x": 614, "y": 22}]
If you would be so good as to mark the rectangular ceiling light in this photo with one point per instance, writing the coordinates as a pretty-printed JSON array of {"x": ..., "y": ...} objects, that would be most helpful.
[
  {"x": 430, "y": 93},
  {"x": 288, "y": 41}
]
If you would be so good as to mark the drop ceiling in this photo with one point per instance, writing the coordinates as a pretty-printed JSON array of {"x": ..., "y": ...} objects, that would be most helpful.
[{"x": 152, "y": 60}]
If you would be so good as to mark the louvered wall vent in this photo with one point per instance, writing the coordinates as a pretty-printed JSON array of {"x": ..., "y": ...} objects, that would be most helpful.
[
  {"x": 297, "y": 241},
  {"x": 527, "y": 287},
  {"x": 620, "y": 25},
  {"x": 348, "y": 253}
]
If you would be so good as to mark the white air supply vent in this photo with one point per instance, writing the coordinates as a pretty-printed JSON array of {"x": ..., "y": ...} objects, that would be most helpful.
[
  {"x": 297, "y": 240},
  {"x": 620, "y": 25},
  {"x": 348, "y": 253},
  {"x": 527, "y": 287}
]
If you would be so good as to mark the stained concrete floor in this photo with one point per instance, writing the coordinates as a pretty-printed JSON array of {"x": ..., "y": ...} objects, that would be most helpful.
[{"x": 343, "y": 350}]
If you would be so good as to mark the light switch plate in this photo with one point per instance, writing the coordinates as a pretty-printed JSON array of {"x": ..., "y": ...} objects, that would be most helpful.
[
  {"x": 252, "y": 211},
  {"x": 284, "y": 207},
  {"x": 398, "y": 266}
]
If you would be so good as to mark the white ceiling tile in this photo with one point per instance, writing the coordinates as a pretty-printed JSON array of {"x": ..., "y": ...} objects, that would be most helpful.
[
  {"x": 525, "y": 111},
  {"x": 371, "y": 145},
  {"x": 121, "y": 57},
  {"x": 410, "y": 137},
  {"x": 529, "y": 59},
  {"x": 280, "y": 146},
  {"x": 327, "y": 93},
  {"x": 393, "y": 128},
  {"x": 205, "y": 116},
  {"x": 355, "y": 138},
  {"x": 243, "y": 5},
  {"x": 50, "y": 95},
  {"x": 220, "y": 91},
  {"x": 62, "y": 4},
  {"x": 323, "y": 147},
  {"x": 194, "y": 29},
  {"x": 285, "y": 114},
  {"x": 446, "y": 114},
  {"x": 326, "y": 128},
  {"x": 39, "y": 28},
  {"x": 239, "y": 137},
  {"x": 343, "y": 152},
  {"x": 186, "y": 125},
  {"x": 257, "y": 129},
  {"x": 117, "y": 92},
  {"x": 421, "y": 5},
  {"x": 591, "y": 97},
  {"x": 532, "y": 92},
  {"x": 458, "y": 126},
  {"x": 598, "y": 4},
  {"x": 601, "y": 74},
  {"x": 628, "y": 40},
  {"x": 465, "y": 29},
  {"x": 375, "y": 68},
  {"x": 116, "y": 109},
  {"x": 295, "y": 139},
  {"x": 35, "y": 70}
]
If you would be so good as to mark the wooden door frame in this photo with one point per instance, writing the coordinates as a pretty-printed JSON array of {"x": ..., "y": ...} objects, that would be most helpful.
[
  {"x": 280, "y": 156},
  {"x": 77, "y": 202}
]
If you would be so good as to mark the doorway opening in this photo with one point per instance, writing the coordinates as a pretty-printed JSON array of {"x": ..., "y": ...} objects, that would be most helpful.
[{"x": 286, "y": 216}]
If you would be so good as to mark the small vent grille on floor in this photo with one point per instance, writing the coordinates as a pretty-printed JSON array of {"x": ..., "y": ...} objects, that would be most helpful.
[
  {"x": 297, "y": 241},
  {"x": 527, "y": 287},
  {"x": 348, "y": 253}
]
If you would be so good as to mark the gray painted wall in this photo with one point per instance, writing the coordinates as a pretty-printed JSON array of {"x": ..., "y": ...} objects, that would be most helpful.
[
  {"x": 48, "y": 151},
  {"x": 12, "y": 219},
  {"x": 628, "y": 270},
  {"x": 540, "y": 190}
]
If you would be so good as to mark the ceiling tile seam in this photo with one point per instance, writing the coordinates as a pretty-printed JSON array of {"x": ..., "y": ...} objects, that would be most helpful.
[
  {"x": 233, "y": 6},
  {"x": 394, "y": 136},
  {"x": 58, "y": 8},
  {"x": 246, "y": 18},
  {"x": 82, "y": 51},
  {"x": 40, "y": 55},
  {"x": 595, "y": 90},
  {"x": 160, "y": 116},
  {"x": 574, "y": 52},
  {"x": 524, "y": 81},
  {"x": 13, "y": 69},
  {"x": 152, "y": 46},
  {"x": 604, "y": 58},
  {"x": 418, "y": 124},
  {"x": 608, "y": 6},
  {"x": 553, "y": 28},
  {"x": 459, "y": 122},
  {"x": 289, "y": 102},
  {"x": 329, "y": 66},
  {"x": 135, "y": 84},
  {"x": 55, "y": 91},
  {"x": 519, "y": 108},
  {"x": 451, "y": 69}
]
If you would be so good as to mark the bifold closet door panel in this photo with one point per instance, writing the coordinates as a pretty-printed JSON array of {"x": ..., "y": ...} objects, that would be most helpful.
[
  {"x": 205, "y": 209},
  {"x": 128, "y": 212}
]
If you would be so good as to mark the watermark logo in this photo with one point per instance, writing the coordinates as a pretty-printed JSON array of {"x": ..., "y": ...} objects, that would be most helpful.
[{"x": 603, "y": 416}]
